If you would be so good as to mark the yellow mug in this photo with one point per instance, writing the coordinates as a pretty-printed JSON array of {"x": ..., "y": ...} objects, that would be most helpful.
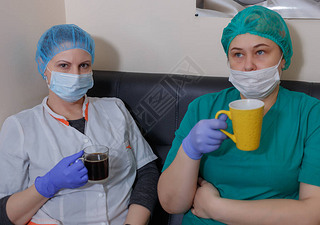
[{"x": 246, "y": 116}]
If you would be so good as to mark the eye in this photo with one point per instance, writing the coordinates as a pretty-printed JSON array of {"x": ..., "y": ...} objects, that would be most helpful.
[
  {"x": 260, "y": 52},
  {"x": 238, "y": 55},
  {"x": 63, "y": 65},
  {"x": 84, "y": 65}
]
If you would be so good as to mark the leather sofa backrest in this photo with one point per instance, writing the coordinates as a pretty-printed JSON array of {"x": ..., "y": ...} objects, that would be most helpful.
[{"x": 158, "y": 103}]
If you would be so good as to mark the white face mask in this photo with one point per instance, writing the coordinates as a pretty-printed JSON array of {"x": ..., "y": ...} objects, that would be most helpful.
[
  {"x": 70, "y": 87},
  {"x": 257, "y": 84}
]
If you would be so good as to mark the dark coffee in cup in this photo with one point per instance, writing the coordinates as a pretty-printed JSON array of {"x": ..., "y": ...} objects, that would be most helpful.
[
  {"x": 97, "y": 165},
  {"x": 96, "y": 160}
]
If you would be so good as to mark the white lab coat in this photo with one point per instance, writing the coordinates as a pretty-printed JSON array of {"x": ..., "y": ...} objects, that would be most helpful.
[{"x": 35, "y": 140}]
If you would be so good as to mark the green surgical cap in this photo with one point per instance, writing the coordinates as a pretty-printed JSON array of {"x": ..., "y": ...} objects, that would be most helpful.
[
  {"x": 263, "y": 22},
  {"x": 60, "y": 38}
]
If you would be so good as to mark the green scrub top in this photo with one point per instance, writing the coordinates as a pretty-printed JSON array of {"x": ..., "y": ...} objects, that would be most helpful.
[{"x": 289, "y": 150}]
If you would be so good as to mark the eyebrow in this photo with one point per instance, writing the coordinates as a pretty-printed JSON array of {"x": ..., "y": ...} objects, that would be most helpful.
[
  {"x": 256, "y": 46},
  {"x": 66, "y": 61},
  {"x": 235, "y": 48},
  {"x": 61, "y": 61},
  {"x": 261, "y": 45}
]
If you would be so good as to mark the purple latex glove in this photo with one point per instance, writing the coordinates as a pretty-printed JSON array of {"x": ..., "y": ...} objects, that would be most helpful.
[
  {"x": 68, "y": 173},
  {"x": 205, "y": 137}
]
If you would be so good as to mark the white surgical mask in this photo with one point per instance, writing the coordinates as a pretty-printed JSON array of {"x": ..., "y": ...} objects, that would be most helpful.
[
  {"x": 70, "y": 87},
  {"x": 257, "y": 84}
]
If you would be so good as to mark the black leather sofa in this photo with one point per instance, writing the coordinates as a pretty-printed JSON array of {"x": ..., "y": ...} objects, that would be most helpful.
[{"x": 158, "y": 103}]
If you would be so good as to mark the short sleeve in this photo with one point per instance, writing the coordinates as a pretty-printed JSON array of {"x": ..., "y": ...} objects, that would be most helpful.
[
  {"x": 141, "y": 149},
  {"x": 310, "y": 167},
  {"x": 188, "y": 121},
  {"x": 13, "y": 160}
]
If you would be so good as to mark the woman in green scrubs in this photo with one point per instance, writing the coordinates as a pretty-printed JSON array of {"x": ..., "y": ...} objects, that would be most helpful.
[{"x": 206, "y": 177}]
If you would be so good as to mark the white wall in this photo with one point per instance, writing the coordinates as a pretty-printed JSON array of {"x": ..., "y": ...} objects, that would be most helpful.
[
  {"x": 162, "y": 36},
  {"x": 158, "y": 36},
  {"x": 21, "y": 25}
]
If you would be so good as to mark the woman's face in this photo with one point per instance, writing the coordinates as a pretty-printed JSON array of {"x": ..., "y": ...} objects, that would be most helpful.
[
  {"x": 75, "y": 61},
  {"x": 248, "y": 52}
]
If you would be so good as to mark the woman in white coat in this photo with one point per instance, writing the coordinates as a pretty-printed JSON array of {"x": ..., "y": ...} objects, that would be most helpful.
[{"x": 42, "y": 182}]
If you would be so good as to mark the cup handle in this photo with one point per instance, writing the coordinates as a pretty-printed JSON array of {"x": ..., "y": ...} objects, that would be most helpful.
[
  {"x": 81, "y": 158},
  {"x": 228, "y": 113}
]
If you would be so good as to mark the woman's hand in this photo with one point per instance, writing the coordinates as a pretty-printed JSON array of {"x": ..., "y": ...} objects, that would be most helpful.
[
  {"x": 68, "y": 173},
  {"x": 205, "y": 137},
  {"x": 206, "y": 195},
  {"x": 208, "y": 204}
]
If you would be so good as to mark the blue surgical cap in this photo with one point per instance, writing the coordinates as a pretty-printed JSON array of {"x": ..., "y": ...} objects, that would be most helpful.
[
  {"x": 263, "y": 22},
  {"x": 60, "y": 38}
]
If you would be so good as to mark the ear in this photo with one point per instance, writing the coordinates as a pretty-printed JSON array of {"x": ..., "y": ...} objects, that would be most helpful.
[
  {"x": 282, "y": 64},
  {"x": 47, "y": 76}
]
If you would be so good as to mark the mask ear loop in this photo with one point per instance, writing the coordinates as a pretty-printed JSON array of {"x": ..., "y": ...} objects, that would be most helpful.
[
  {"x": 46, "y": 78},
  {"x": 281, "y": 69},
  {"x": 280, "y": 60},
  {"x": 228, "y": 63}
]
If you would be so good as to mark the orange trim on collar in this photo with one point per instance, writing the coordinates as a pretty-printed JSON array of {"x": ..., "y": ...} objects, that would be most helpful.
[
  {"x": 32, "y": 223},
  {"x": 86, "y": 112},
  {"x": 65, "y": 122}
]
